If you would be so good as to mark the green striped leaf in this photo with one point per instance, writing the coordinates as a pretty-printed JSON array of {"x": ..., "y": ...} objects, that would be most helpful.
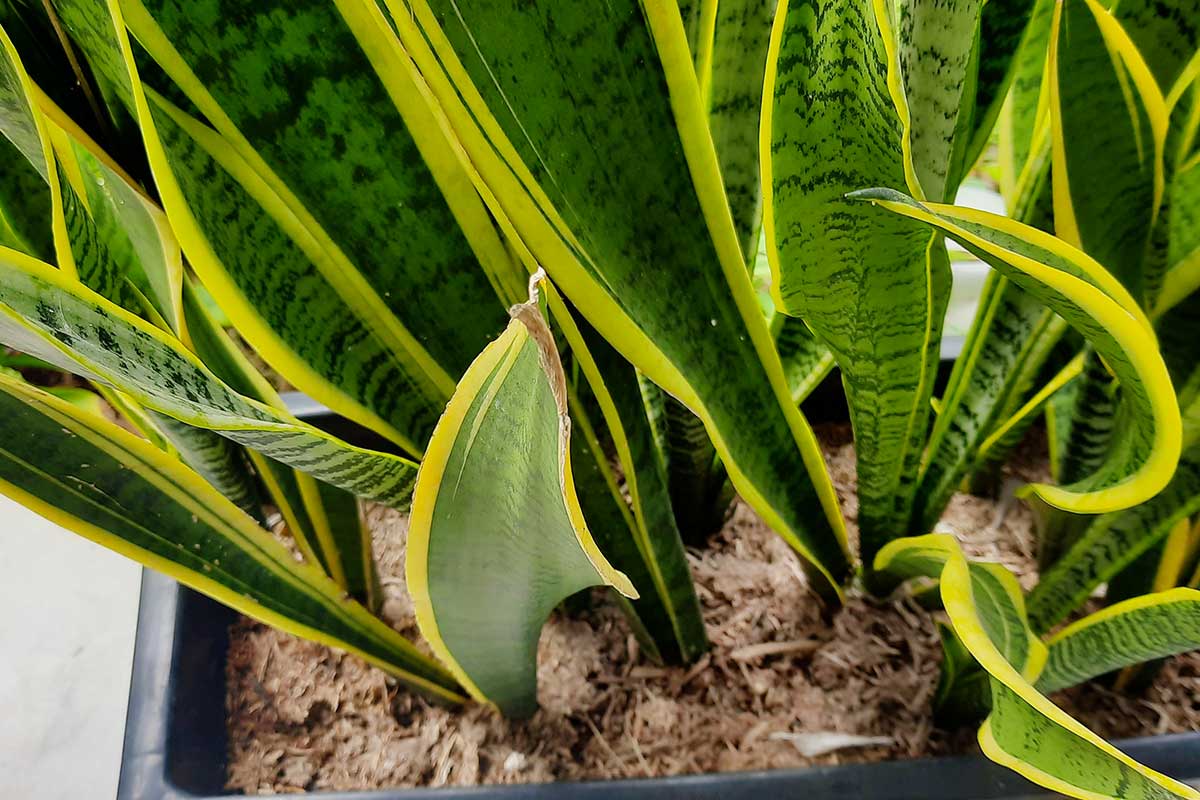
[
  {"x": 1008, "y": 433},
  {"x": 229, "y": 197},
  {"x": 1087, "y": 432},
  {"x": 1177, "y": 328},
  {"x": 123, "y": 493},
  {"x": 1109, "y": 127},
  {"x": 113, "y": 240},
  {"x": 1098, "y": 549},
  {"x": 1024, "y": 124},
  {"x": 1094, "y": 303},
  {"x": 937, "y": 45},
  {"x": 730, "y": 71},
  {"x": 1108, "y": 183},
  {"x": 1110, "y": 543},
  {"x": 133, "y": 229},
  {"x": 1128, "y": 633},
  {"x": 77, "y": 249},
  {"x": 647, "y": 546},
  {"x": 872, "y": 287},
  {"x": 1158, "y": 569},
  {"x": 122, "y": 228},
  {"x": 561, "y": 178},
  {"x": 696, "y": 479},
  {"x": 313, "y": 154},
  {"x": 135, "y": 261},
  {"x": 46, "y": 314},
  {"x": 1012, "y": 336},
  {"x": 216, "y": 459},
  {"x": 25, "y": 201},
  {"x": 1105, "y": 208},
  {"x": 1058, "y": 413},
  {"x": 1179, "y": 341},
  {"x": 497, "y": 538},
  {"x": 699, "y": 21},
  {"x": 1025, "y": 731},
  {"x": 733, "y": 90},
  {"x": 1006, "y": 28},
  {"x": 1167, "y": 34},
  {"x": 324, "y": 521}
]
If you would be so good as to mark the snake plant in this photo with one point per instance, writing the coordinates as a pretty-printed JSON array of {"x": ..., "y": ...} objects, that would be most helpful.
[{"x": 516, "y": 241}]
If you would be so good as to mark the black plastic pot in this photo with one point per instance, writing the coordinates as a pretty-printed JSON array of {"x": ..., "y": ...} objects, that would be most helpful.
[
  {"x": 175, "y": 741},
  {"x": 175, "y": 738}
]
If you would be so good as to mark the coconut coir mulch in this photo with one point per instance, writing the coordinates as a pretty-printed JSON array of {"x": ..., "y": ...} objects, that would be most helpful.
[{"x": 777, "y": 682}]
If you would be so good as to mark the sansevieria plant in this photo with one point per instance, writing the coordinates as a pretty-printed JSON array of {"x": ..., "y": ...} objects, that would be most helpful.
[{"x": 515, "y": 240}]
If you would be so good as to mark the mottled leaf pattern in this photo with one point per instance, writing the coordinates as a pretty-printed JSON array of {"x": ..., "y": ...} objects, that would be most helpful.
[
  {"x": 872, "y": 288},
  {"x": 735, "y": 90},
  {"x": 1137, "y": 630},
  {"x": 936, "y": 39},
  {"x": 1098, "y": 307},
  {"x": 316, "y": 158},
  {"x": 1025, "y": 731},
  {"x": 77, "y": 330}
]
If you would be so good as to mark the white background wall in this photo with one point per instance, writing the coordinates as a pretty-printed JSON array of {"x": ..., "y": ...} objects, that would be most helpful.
[{"x": 68, "y": 610}]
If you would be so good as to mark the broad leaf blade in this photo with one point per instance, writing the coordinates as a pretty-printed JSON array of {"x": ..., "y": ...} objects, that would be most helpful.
[{"x": 497, "y": 538}]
